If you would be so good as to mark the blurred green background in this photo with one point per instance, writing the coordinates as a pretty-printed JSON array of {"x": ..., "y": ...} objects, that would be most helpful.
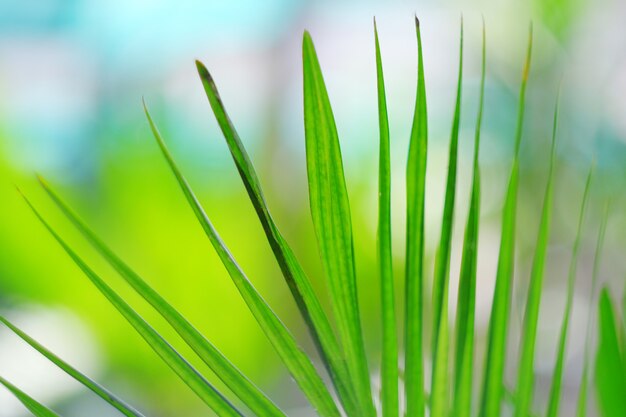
[{"x": 72, "y": 74}]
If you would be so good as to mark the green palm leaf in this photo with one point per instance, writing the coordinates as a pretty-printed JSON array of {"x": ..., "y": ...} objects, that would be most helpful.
[
  {"x": 498, "y": 322},
  {"x": 102, "y": 392},
  {"x": 33, "y": 406},
  {"x": 581, "y": 407},
  {"x": 414, "y": 285},
  {"x": 232, "y": 377},
  {"x": 299, "y": 284},
  {"x": 283, "y": 342},
  {"x": 330, "y": 211},
  {"x": 531, "y": 316},
  {"x": 439, "y": 391},
  {"x": 610, "y": 372},
  {"x": 168, "y": 354},
  {"x": 467, "y": 280},
  {"x": 389, "y": 363},
  {"x": 557, "y": 376}
]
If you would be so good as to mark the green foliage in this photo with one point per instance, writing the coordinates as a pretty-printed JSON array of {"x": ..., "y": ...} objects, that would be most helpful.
[{"x": 339, "y": 338}]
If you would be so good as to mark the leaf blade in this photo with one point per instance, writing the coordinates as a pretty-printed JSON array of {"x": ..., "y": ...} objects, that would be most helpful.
[
  {"x": 414, "y": 271},
  {"x": 299, "y": 284},
  {"x": 467, "y": 282},
  {"x": 533, "y": 301},
  {"x": 102, "y": 392},
  {"x": 330, "y": 211},
  {"x": 557, "y": 375},
  {"x": 232, "y": 377},
  {"x": 439, "y": 386},
  {"x": 299, "y": 365},
  {"x": 187, "y": 373},
  {"x": 38, "y": 409},
  {"x": 496, "y": 349},
  {"x": 389, "y": 362}
]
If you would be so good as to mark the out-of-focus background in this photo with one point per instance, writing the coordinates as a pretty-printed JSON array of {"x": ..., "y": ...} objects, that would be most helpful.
[{"x": 72, "y": 75}]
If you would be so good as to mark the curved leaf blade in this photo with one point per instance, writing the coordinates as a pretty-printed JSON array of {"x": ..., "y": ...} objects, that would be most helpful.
[
  {"x": 439, "y": 397},
  {"x": 298, "y": 363},
  {"x": 535, "y": 289},
  {"x": 557, "y": 375},
  {"x": 299, "y": 284},
  {"x": 610, "y": 372},
  {"x": 99, "y": 390},
  {"x": 38, "y": 410},
  {"x": 187, "y": 373},
  {"x": 389, "y": 362},
  {"x": 498, "y": 322},
  {"x": 232, "y": 377},
  {"x": 466, "y": 303},
  {"x": 330, "y": 211}
]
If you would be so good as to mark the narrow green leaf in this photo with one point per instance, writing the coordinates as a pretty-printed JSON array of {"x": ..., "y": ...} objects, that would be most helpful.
[
  {"x": 232, "y": 377},
  {"x": 498, "y": 322},
  {"x": 102, "y": 392},
  {"x": 467, "y": 282},
  {"x": 581, "y": 407},
  {"x": 308, "y": 303},
  {"x": 557, "y": 375},
  {"x": 330, "y": 211},
  {"x": 389, "y": 362},
  {"x": 414, "y": 279},
  {"x": 293, "y": 357},
  {"x": 439, "y": 388},
  {"x": 610, "y": 372},
  {"x": 33, "y": 406},
  {"x": 161, "y": 347},
  {"x": 535, "y": 289}
]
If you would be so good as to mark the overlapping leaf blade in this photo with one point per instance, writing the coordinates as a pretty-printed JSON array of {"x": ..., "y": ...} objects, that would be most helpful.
[
  {"x": 581, "y": 406},
  {"x": 498, "y": 322},
  {"x": 232, "y": 377},
  {"x": 414, "y": 271},
  {"x": 330, "y": 211},
  {"x": 187, "y": 373},
  {"x": 441, "y": 282},
  {"x": 389, "y": 363},
  {"x": 467, "y": 282},
  {"x": 102, "y": 392},
  {"x": 299, "y": 365},
  {"x": 535, "y": 290},
  {"x": 299, "y": 284},
  {"x": 610, "y": 369},
  {"x": 557, "y": 375},
  {"x": 38, "y": 409}
]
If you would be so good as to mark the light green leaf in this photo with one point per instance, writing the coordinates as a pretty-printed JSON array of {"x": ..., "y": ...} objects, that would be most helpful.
[
  {"x": 102, "y": 392},
  {"x": 610, "y": 372},
  {"x": 299, "y": 365},
  {"x": 498, "y": 322},
  {"x": 232, "y": 377},
  {"x": 33, "y": 406},
  {"x": 439, "y": 388},
  {"x": 161, "y": 347},
  {"x": 389, "y": 362},
  {"x": 466, "y": 304},
  {"x": 581, "y": 406},
  {"x": 330, "y": 211},
  {"x": 531, "y": 317},
  {"x": 310, "y": 308},
  {"x": 557, "y": 375},
  {"x": 414, "y": 285}
]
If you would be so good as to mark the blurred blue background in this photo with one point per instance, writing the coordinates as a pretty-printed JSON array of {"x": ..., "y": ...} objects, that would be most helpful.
[{"x": 72, "y": 75}]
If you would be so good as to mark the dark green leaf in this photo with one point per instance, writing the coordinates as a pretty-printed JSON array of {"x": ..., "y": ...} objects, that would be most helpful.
[
  {"x": 293, "y": 357},
  {"x": 33, "y": 406}
]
